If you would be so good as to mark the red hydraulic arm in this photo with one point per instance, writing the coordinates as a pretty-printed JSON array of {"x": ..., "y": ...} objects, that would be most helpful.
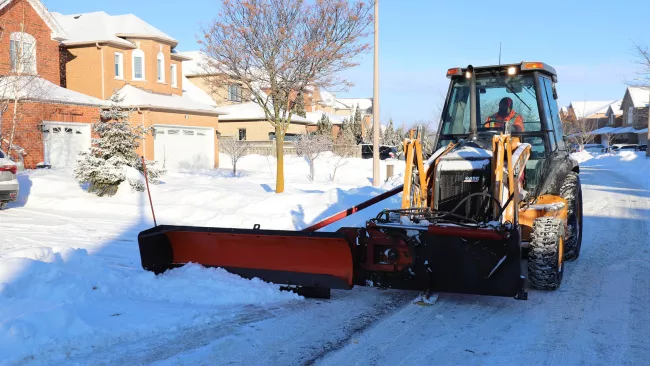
[{"x": 353, "y": 209}]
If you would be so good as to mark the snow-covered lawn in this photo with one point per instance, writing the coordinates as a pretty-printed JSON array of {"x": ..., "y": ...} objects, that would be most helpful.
[{"x": 70, "y": 273}]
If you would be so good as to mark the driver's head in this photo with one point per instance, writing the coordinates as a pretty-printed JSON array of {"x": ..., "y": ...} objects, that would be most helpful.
[{"x": 505, "y": 106}]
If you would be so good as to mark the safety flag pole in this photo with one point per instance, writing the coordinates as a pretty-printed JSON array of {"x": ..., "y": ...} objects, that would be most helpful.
[{"x": 146, "y": 179}]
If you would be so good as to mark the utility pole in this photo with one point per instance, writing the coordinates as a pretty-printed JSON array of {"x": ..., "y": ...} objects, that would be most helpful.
[{"x": 375, "y": 103}]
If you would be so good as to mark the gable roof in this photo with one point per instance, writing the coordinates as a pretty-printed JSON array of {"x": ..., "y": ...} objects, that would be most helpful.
[
  {"x": 136, "y": 97},
  {"x": 194, "y": 92},
  {"x": 640, "y": 96},
  {"x": 586, "y": 109},
  {"x": 99, "y": 26},
  {"x": 58, "y": 34},
  {"x": 615, "y": 108}
]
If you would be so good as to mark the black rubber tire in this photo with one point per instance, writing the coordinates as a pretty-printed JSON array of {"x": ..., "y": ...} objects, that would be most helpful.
[
  {"x": 571, "y": 191},
  {"x": 3, "y": 205},
  {"x": 544, "y": 250}
]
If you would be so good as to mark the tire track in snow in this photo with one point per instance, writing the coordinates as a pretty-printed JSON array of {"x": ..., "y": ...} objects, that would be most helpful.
[{"x": 597, "y": 317}]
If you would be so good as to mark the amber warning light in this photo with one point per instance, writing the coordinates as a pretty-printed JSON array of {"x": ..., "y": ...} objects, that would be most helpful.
[
  {"x": 454, "y": 72},
  {"x": 532, "y": 65}
]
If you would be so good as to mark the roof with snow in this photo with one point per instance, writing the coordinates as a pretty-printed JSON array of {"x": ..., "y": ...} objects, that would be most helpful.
[
  {"x": 251, "y": 111},
  {"x": 57, "y": 31},
  {"x": 640, "y": 96},
  {"x": 38, "y": 89},
  {"x": 315, "y": 116},
  {"x": 615, "y": 108},
  {"x": 136, "y": 97},
  {"x": 194, "y": 92},
  {"x": 586, "y": 109},
  {"x": 365, "y": 104},
  {"x": 101, "y": 27}
]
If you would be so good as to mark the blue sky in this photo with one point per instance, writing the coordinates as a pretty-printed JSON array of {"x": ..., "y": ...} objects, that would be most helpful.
[{"x": 589, "y": 42}]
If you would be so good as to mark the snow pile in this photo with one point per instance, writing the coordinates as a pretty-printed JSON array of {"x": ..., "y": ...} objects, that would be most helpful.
[
  {"x": 634, "y": 164},
  {"x": 53, "y": 295},
  {"x": 70, "y": 271}
]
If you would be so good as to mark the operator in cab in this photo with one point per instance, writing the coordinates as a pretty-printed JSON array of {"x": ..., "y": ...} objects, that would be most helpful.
[{"x": 505, "y": 114}]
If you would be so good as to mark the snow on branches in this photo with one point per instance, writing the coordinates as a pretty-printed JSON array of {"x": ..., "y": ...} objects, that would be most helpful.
[{"x": 112, "y": 158}]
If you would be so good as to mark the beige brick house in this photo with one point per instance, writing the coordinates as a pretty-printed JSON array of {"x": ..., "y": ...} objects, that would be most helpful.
[
  {"x": 52, "y": 122},
  {"x": 106, "y": 53}
]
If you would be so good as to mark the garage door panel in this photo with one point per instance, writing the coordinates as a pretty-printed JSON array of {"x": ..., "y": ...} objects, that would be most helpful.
[
  {"x": 184, "y": 147},
  {"x": 63, "y": 142}
]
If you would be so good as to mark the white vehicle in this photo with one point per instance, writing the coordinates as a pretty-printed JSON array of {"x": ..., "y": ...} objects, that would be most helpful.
[
  {"x": 8, "y": 181},
  {"x": 620, "y": 147}
]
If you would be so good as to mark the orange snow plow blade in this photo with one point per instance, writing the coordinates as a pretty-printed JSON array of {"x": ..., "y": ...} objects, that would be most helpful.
[{"x": 283, "y": 257}]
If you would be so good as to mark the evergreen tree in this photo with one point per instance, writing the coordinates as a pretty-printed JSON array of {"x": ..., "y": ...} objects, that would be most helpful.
[
  {"x": 390, "y": 136},
  {"x": 299, "y": 105},
  {"x": 112, "y": 158},
  {"x": 324, "y": 126}
]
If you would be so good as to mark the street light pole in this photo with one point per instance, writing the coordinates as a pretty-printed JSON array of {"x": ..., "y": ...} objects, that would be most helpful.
[{"x": 375, "y": 103}]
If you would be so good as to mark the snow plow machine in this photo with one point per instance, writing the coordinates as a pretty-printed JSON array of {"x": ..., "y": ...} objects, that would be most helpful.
[{"x": 496, "y": 207}]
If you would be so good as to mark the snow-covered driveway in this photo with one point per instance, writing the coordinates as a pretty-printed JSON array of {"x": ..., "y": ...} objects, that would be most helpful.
[{"x": 72, "y": 292}]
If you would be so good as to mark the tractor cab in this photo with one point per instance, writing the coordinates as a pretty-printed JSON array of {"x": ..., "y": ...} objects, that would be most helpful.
[{"x": 516, "y": 99}]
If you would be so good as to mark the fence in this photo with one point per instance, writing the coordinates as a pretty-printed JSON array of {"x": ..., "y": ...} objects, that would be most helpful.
[{"x": 267, "y": 148}]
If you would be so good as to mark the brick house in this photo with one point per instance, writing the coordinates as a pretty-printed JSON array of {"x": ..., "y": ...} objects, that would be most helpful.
[
  {"x": 131, "y": 57},
  {"x": 52, "y": 123},
  {"x": 635, "y": 105}
]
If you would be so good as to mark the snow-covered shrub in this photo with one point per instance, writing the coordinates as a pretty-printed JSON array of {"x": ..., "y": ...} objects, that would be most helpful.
[{"x": 113, "y": 154}]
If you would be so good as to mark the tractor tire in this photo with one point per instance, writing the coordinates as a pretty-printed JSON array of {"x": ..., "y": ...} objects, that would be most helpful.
[
  {"x": 571, "y": 191},
  {"x": 3, "y": 205},
  {"x": 545, "y": 265}
]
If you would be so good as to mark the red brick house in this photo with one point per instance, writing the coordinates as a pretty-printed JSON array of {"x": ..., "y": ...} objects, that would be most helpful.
[{"x": 46, "y": 123}]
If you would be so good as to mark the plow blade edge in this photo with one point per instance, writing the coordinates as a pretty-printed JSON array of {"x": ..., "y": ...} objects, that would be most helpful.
[{"x": 282, "y": 257}]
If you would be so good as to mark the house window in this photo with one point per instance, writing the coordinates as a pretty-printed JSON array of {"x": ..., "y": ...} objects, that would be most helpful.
[
  {"x": 138, "y": 65},
  {"x": 234, "y": 92},
  {"x": 174, "y": 77},
  {"x": 119, "y": 65},
  {"x": 242, "y": 134},
  {"x": 630, "y": 115},
  {"x": 160, "y": 61},
  {"x": 22, "y": 53}
]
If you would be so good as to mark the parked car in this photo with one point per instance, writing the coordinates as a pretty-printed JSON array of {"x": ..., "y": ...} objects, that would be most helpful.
[
  {"x": 642, "y": 148},
  {"x": 385, "y": 152},
  {"x": 622, "y": 147},
  {"x": 8, "y": 181},
  {"x": 595, "y": 147}
]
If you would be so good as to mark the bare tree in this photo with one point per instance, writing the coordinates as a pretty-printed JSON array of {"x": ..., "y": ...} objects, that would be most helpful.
[
  {"x": 311, "y": 147},
  {"x": 643, "y": 54},
  {"x": 609, "y": 138},
  {"x": 344, "y": 147},
  {"x": 579, "y": 129},
  {"x": 235, "y": 149},
  {"x": 278, "y": 48}
]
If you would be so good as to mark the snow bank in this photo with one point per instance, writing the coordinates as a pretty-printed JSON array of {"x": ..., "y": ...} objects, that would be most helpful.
[
  {"x": 70, "y": 271},
  {"x": 633, "y": 164},
  {"x": 51, "y": 296}
]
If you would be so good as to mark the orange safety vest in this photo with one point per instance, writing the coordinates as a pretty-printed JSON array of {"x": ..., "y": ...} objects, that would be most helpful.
[{"x": 496, "y": 120}]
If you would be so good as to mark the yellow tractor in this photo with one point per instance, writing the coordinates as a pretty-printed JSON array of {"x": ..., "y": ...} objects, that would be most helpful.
[{"x": 498, "y": 202}]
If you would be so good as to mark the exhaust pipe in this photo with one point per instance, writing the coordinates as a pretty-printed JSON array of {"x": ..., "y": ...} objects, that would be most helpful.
[{"x": 472, "y": 102}]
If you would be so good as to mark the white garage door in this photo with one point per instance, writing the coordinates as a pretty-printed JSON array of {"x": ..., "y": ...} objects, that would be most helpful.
[
  {"x": 63, "y": 141},
  {"x": 181, "y": 147}
]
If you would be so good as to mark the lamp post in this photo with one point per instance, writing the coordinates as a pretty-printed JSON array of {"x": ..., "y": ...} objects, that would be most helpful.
[{"x": 375, "y": 102}]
